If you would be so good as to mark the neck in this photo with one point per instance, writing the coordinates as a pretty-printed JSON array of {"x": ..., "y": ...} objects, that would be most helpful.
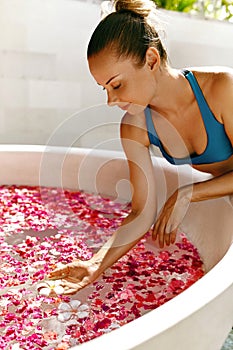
[{"x": 173, "y": 92}]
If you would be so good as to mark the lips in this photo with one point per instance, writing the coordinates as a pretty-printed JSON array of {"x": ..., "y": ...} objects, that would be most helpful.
[{"x": 125, "y": 107}]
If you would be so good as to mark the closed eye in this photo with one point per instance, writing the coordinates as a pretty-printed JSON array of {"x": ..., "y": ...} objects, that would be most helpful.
[{"x": 115, "y": 87}]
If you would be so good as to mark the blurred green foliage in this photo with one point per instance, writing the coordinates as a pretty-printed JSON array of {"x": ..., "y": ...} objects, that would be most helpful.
[
  {"x": 176, "y": 5},
  {"x": 217, "y": 9}
]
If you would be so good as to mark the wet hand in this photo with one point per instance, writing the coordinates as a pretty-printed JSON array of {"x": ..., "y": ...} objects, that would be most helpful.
[
  {"x": 75, "y": 275},
  {"x": 170, "y": 217}
]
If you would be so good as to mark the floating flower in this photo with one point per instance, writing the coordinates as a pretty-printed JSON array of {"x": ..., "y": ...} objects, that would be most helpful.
[
  {"x": 73, "y": 309},
  {"x": 50, "y": 288}
]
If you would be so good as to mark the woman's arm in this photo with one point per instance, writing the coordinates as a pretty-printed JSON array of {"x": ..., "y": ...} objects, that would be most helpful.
[
  {"x": 78, "y": 274},
  {"x": 166, "y": 226},
  {"x": 216, "y": 187},
  {"x": 143, "y": 211}
]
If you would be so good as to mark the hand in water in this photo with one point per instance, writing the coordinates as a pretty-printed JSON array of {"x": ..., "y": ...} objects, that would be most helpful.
[
  {"x": 75, "y": 275},
  {"x": 171, "y": 216}
]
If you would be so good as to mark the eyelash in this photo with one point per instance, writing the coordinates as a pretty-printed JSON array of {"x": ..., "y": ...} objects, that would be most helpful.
[{"x": 115, "y": 88}]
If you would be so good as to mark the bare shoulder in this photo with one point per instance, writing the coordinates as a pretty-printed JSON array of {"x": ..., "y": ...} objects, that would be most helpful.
[
  {"x": 216, "y": 77},
  {"x": 133, "y": 127},
  {"x": 222, "y": 86},
  {"x": 221, "y": 91},
  {"x": 217, "y": 84},
  {"x": 211, "y": 69}
]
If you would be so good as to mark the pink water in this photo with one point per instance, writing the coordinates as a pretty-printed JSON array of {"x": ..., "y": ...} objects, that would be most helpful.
[{"x": 43, "y": 226}]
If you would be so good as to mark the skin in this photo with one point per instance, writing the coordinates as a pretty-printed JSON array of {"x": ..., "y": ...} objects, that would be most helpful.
[{"x": 174, "y": 108}]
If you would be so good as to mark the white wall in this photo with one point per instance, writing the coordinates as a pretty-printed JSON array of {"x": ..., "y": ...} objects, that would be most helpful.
[
  {"x": 198, "y": 42},
  {"x": 44, "y": 77}
]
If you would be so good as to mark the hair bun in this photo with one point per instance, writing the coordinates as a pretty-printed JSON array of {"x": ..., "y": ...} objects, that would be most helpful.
[{"x": 140, "y": 7}]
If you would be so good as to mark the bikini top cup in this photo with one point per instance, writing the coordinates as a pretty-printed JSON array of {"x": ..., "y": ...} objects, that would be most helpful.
[{"x": 218, "y": 147}]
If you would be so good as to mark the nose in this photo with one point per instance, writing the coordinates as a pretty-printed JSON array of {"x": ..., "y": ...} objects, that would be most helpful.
[{"x": 112, "y": 100}]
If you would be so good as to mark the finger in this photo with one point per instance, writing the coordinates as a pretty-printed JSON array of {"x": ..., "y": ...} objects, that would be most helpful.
[
  {"x": 167, "y": 234},
  {"x": 157, "y": 234},
  {"x": 173, "y": 236},
  {"x": 60, "y": 272},
  {"x": 161, "y": 239},
  {"x": 167, "y": 238},
  {"x": 171, "y": 229},
  {"x": 73, "y": 279},
  {"x": 154, "y": 233},
  {"x": 70, "y": 291},
  {"x": 161, "y": 233},
  {"x": 156, "y": 229},
  {"x": 72, "y": 288},
  {"x": 66, "y": 285}
]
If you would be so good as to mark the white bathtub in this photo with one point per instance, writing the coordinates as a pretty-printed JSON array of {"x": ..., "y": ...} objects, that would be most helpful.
[{"x": 201, "y": 317}]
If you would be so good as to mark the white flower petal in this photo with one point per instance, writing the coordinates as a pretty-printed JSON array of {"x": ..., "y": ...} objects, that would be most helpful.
[
  {"x": 42, "y": 285},
  {"x": 74, "y": 304},
  {"x": 82, "y": 314},
  {"x": 56, "y": 283},
  {"x": 50, "y": 284},
  {"x": 4, "y": 303},
  {"x": 54, "y": 252},
  {"x": 64, "y": 316},
  {"x": 59, "y": 290},
  {"x": 114, "y": 326},
  {"x": 45, "y": 291},
  {"x": 83, "y": 307},
  {"x": 64, "y": 307},
  {"x": 15, "y": 346}
]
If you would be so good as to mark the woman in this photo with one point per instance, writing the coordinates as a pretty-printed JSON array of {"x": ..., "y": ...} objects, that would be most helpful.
[{"x": 187, "y": 114}]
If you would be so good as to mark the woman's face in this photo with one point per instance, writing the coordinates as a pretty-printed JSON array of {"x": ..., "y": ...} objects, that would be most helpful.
[{"x": 127, "y": 86}]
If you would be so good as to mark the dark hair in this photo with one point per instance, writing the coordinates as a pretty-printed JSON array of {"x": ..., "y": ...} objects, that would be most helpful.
[{"x": 127, "y": 32}]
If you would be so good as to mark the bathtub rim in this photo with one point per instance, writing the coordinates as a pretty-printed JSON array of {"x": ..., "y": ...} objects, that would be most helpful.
[{"x": 201, "y": 292}]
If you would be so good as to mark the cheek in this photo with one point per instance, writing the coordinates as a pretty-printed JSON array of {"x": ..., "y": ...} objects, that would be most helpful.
[{"x": 142, "y": 94}]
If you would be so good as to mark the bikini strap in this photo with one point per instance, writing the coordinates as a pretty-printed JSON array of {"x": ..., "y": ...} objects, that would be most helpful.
[
  {"x": 153, "y": 137},
  {"x": 203, "y": 105}
]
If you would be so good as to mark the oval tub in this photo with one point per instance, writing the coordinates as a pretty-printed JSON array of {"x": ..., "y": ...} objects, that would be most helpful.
[{"x": 198, "y": 318}]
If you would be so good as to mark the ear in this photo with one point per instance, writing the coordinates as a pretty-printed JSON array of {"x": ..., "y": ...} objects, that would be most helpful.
[{"x": 153, "y": 58}]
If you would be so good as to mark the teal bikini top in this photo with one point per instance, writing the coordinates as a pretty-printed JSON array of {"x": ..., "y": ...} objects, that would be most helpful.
[{"x": 218, "y": 147}]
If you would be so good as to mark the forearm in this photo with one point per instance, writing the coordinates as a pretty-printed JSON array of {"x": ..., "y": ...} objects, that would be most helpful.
[
  {"x": 128, "y": 234},
  {"x": 143, "y": 203},
  {"x": 213, "y": 188}
]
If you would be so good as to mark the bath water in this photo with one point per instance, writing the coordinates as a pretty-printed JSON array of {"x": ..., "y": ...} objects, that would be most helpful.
[{"x": 41, "y": 227}]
